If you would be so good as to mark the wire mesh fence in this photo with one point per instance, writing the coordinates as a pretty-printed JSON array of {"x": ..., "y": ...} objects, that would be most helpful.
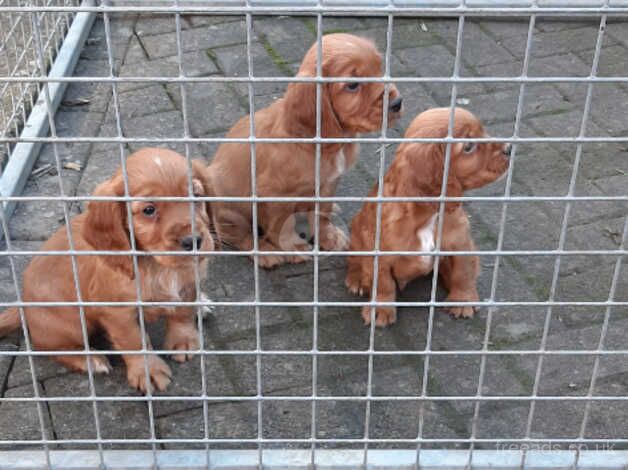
[
  {"x": 19, "y": 59},
  {"x": 281, "y": 359}
]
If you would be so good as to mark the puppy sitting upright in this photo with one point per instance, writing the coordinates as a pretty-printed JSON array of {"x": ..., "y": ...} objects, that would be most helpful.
[
  {"x": 288, "y": 169},
  {"x": 411, "y": 226},
  {"x": 157, "y": 226}
]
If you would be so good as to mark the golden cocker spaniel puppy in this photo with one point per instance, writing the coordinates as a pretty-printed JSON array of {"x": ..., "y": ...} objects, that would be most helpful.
[
  {"x": 157, "y": 226},
  {"x": 417, "y": 170},
  {"x": 288, "y": 169}
]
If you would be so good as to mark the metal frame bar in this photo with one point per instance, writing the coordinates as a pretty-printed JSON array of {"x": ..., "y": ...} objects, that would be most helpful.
[
  {"x": 325, "y": 460},
  {"x": 25, "y": 153},
  {"x": 530, "y": 452}
]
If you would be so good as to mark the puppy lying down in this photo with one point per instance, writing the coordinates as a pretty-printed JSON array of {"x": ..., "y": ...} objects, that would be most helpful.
[
  {"x": 417, "y": 170},
  {"x": 157, "y": 226}
]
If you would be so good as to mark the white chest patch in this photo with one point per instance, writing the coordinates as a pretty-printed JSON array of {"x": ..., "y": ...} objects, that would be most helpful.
[{"x": 426, "y": 237}]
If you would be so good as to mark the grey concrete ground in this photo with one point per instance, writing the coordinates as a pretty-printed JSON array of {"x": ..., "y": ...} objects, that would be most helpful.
[{"x": 145, "y": 45}]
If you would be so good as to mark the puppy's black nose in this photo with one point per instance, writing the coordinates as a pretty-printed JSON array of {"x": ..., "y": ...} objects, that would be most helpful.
[
  {"x": 395, "y": 105},
  {"x": 188, "y": 242},
  {"x": 507, "y": 150}
]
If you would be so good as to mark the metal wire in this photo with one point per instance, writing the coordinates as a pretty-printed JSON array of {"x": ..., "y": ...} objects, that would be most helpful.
[{"x": 40, "y": 36}]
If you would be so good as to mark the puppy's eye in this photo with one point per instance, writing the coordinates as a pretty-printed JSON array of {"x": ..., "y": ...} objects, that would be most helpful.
[
  {"x": 469, "y": 147},
  {"x": 149, "y": 211},
  {"x": 353, "y": 86}
]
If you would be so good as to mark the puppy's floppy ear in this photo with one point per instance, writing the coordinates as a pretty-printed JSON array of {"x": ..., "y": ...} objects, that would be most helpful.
[
  {"x": 428, "y": 162},
  {"x": 105, "y": 226},
  {"x": 300, "y": 106}
]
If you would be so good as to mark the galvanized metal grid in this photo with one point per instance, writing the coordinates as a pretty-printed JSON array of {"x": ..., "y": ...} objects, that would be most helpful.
[
  {"x": 19, "y": 58},
  {"x": 417, "y": 458}
]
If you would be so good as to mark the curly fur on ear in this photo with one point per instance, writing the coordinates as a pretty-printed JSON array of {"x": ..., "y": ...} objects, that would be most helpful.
[
  {"x": 426, "y": 163},
  {"x": 105, "y": 226},
  {"x": 300, "y": 105}
]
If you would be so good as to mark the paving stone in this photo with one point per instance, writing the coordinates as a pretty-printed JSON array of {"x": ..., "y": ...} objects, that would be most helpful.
[
  {"x": 206, "y": 20},
  {"x": 44, "y": 217},
  {"x": 195, "y": 64},
  {"x": 416, "y": 100},
  {"x": 618, "y": 31},
  {"x": 145, "y": 101},
  {"x": 161, "y": 126},
  {"x": 506, "y": 419},
  {"x": 501, "y": 106},
  {"x": 121, "y": 29},
  {"x": 607, "y": 420},
  {"x": 20, "y": 419},
  {"x": 420, "y": 62},
  {"x": 91, "y": 96},
  {"x": 210, "y": 106},
  {"x": 565, "y": 124},
  {"x": 340, "y": 419},
  {"x": 400, "y": 420},
  {"x": 45, "y": 368},
  {"x": 117, "y": 419},
  {"x": 560, "y": 65},
  {"x": 230, "y": 420},
  {"x": 7, "y": 283},
  {"x": 7, "y": 345},
  {"x": 550, "y": 24},
  {"x": 285, "y": 38},
  {"x": 163, "y": 45},
  {"x": 506, "y": 28},
  {"x": 609, "y": 106},
  {"x": 233, "y": 61},
  {"x": 287, "y": 419},
  {"x": 100, "y": 167},
  {"x": 546, "y": 44},
  {"x": 478, "y": 48},
  {"x": 612, "y": 62},
  {"x": 613, "y": 185},
  {"x": 38, "y": 220},
  {"x": 154, "y": 23}
]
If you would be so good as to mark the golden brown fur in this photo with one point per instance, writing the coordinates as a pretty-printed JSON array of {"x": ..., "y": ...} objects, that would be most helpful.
[
  {"x": 408, "y": 226},
  {"x": 107, "y": 278},
  {"x": 288, "y": 169}
]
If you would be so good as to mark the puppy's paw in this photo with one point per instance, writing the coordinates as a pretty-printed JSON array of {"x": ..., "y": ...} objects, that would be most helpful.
[
  {"x": 354, "y": 284},
  {"x": 384, "y": 316},
  {"x": 205, "y": 310},
  {"x": 333, "y": 238},
  {"x": 462, "y": 311},
  {"x": 100, "y": 364},
  {"x": 158, "y": 371},
  {"x": 271, "y": 261},
  {"x": 182, "y": 338}
]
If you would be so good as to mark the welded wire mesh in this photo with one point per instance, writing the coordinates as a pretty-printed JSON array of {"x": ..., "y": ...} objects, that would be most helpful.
[
  {"x": 503, "y": 251},
  {"x": 19, "y": 59}
]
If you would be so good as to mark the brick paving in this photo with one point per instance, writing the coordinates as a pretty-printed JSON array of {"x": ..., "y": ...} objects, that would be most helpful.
[{"x": 146, "y": 45}]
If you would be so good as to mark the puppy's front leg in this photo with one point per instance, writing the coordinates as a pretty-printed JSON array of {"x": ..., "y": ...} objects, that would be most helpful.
[
  {"x": 460, "y": 273},
  {"x": 386, "y": 292},
  {"x": 331, "y": 237},
  {"x": 124, "y": 333},
  {"x": 181, "y": 333}
]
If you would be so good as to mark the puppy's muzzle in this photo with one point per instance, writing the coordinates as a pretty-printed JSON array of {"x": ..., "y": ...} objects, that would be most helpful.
[
  {"x": 395, "y": 105},
  {"x": 187, "y": 243}
]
